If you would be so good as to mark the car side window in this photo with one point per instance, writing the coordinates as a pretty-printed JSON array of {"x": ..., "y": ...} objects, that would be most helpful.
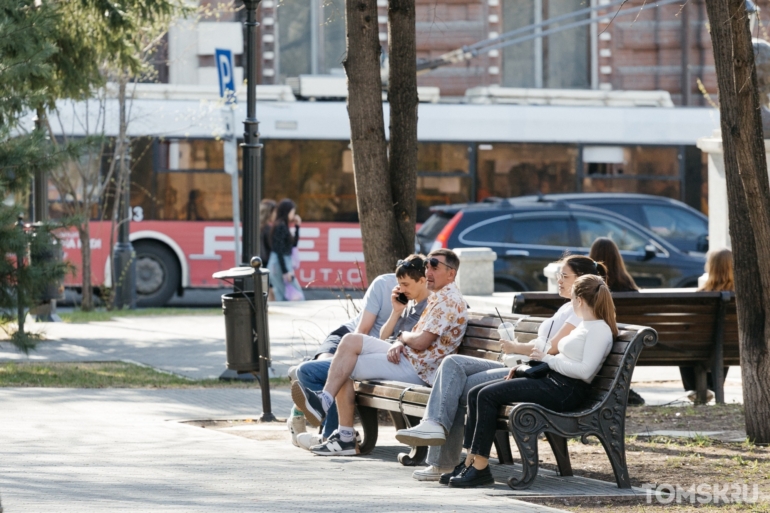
[
  {"x": 591, "y": 228},
  {"x": 491, "y": 232},
  {"x": 549, "y": 231},
  {"x": 628, "y": 210},
  {"x": 674, "y": 223}
]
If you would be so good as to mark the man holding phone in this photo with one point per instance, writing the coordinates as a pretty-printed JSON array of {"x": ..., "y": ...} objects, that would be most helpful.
[{"x": 413, "y": 357}]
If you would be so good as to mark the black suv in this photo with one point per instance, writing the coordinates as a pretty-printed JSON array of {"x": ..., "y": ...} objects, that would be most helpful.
[
  {"x": 529, "y": 233},
  {"x": 679, "y": 224}
]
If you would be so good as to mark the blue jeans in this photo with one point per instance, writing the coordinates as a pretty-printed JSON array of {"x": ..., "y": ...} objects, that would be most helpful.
[
  {"x": 313, "y": 375},
  {"x": 447, "y": 403}
]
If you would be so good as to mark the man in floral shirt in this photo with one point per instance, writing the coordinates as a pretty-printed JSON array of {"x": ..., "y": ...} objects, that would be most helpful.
[{"x": 413, "y": 358}]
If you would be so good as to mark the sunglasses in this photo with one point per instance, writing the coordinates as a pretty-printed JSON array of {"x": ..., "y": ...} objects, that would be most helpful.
[
  {"x": 416, "y": 264},
  {"x": 435, "y": 261}
]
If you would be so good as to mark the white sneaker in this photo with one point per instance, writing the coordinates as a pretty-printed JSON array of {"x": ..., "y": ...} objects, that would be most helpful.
[
  {"x": 424, "y": 433},
  {"x": 297, "y": 426},
  {"x": 308, "y": 440},
  {"x": 693, "y": 396},
  {"x": 430, "y": 473}
]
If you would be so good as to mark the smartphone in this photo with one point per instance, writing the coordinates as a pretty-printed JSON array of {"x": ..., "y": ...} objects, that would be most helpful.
[{"x": 401, "y": 298}]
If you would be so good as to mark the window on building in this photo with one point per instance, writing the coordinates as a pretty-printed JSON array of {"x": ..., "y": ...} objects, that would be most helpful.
[
  {"x": 558, "y": 61},
  {"x": 311, "y": 36}
]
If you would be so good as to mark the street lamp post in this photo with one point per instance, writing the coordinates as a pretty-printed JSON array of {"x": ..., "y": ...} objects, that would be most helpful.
[
  {"x": 252, "y": 196},
  {"x": 252, "y": 149}
]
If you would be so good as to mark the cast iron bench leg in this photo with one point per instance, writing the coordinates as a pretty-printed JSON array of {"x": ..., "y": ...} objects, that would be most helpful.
[
  {"x": 371, "y": 428},
  {"x": 616, "y": 452},
  {"x": 527, "y": 444},
  {"x": 503, "y": 447},
  {"x": 559, "y": 448}
]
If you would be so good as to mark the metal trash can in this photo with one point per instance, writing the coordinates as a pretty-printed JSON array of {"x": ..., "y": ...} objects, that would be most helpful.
[{"x": 242, "y": 350}]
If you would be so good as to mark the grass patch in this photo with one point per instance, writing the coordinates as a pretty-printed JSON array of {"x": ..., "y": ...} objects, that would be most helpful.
[
  {"x": 81, "y": 317},
  {"x": 105, "y": 375}
]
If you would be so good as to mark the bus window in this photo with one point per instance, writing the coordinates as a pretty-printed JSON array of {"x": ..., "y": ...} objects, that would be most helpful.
[
  {"x": 509, "y": 170},
  {"x": 317, "y": 175},
  {"x": 442, "y": 176},
  {"x": 640, "y": 169}
]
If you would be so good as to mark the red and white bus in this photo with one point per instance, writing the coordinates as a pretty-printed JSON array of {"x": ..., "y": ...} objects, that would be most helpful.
[{"x": 181, "y": 197}]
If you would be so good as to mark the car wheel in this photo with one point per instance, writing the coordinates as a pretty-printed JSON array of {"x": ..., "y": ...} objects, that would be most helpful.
[{"x": 157, "y": 273}]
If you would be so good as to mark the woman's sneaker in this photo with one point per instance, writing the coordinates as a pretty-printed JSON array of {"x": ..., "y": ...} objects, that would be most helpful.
[
  {"x": 308, "y": 440},
  {"x": 334, "y": 446}
]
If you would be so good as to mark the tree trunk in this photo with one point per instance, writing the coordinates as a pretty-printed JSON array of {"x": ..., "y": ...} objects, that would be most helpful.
[
  {"x": 87, "y": 302},
  {"x": 402, "y": 95},
  {"x": 748, "y": 193},
  {"x": 367, "y": 136}
]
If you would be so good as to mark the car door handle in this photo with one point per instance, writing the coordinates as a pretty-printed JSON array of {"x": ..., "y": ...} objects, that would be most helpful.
[{"x": 517, "y": 252}]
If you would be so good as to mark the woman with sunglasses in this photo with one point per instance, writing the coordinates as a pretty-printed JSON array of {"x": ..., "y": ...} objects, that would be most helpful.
[{"x": 443, "y": 421}]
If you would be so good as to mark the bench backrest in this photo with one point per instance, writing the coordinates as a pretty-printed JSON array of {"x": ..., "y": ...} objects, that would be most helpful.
[
  {"x": 482, "y": 341},
  {"x": 685, "y": 322}
]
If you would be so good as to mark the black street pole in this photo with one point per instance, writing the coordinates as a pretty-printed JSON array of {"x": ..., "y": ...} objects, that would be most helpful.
[
  {"x": 252, "y": 196},
  {"x": 252, "y": 149}
]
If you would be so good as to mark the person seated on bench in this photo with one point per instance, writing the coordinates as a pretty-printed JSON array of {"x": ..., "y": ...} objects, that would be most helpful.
[
  {"x": 380, "y": 315},
  {"x": 375, "y": 312},
  {"x": 564, "y": 385},
  {"x": 618, "y": 280},
  {"x": 719, "y": 267},
  {"x": 442, "y": 424},
  {"x": 413, "y": 358}
]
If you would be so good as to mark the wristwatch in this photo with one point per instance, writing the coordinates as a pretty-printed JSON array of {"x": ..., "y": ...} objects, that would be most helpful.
[{"x": 398, "y": 337}]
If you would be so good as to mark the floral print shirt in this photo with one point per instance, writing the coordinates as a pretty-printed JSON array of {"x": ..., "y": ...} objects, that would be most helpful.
[{"x": 446, "y": 315}]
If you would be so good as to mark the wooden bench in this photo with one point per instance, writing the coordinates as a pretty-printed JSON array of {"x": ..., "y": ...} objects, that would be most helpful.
[
  {"x": 603, "y": 417},
  {"x": 698, "y": 329}
]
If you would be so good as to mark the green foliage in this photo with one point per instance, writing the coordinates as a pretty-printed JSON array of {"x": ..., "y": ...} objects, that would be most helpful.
[
  {"x": 27, "y": 269},
  {"x": 52, "y": 50}
]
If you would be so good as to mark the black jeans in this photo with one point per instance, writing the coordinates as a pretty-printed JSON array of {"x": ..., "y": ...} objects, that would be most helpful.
[{"x": 554, "y": 391}]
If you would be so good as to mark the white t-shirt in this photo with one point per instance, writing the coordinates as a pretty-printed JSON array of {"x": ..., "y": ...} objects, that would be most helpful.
[
  {"x": 548, "y": 329},
  {"x": 582, "y": 352}
]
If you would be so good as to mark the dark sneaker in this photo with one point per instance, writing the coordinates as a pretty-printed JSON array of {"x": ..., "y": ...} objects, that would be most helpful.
[
  {"x": 444, "y": 479},
  {"x": 309, "y": 403},
  {"x": 472, "y": 477},
  {"x": 635, "y": 399},
  {"x": 334, "y": 446}
]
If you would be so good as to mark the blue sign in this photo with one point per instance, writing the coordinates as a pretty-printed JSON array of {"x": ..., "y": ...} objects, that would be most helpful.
[{"x": 226, "y": 73}]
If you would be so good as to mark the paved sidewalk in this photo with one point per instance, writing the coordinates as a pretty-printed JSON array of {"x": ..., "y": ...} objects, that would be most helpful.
[{"x": 93, "y": 451}]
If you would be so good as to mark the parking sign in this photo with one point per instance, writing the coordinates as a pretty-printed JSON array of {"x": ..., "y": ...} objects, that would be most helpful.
[{"x": 226, "y": 73}]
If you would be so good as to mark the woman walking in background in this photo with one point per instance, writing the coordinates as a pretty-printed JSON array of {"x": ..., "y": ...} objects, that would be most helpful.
[
  {"x": 719, "y": 266},
  {"x": 266, "y": 220},
  {"x": 282, "y": 242},
  {"x": 618, "y": 280}
]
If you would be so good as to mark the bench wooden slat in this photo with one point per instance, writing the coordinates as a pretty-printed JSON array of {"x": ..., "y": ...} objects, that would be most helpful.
[{"x": 486, "y": 355}]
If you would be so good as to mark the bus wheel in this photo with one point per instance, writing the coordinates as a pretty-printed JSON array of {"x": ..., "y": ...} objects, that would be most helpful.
[{"x": 157, "y": 273}]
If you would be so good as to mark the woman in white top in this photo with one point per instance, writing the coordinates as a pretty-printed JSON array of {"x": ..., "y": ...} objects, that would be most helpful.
[
  {"x": 443, "y": 421},
  {"x": 565, "y": 387}
]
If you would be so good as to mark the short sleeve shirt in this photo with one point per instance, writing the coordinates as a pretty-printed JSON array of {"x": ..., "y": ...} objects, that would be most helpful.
[
  {"x": 445, "y": 315},
  {"x": 376, "y": 301}
]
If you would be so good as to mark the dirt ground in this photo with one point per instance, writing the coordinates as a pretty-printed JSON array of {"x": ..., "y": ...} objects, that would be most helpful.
[{"x": 723, "y": 458}]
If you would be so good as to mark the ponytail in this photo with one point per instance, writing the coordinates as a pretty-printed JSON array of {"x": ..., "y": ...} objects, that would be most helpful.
[{"x": 595, "y": 292}]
